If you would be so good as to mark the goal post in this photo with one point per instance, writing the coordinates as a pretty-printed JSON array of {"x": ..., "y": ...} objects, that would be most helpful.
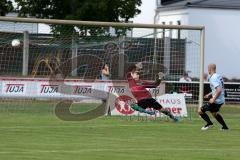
[{"x": 81, "y": 48}]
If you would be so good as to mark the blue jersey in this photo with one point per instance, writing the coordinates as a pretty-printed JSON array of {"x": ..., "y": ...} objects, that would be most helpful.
[{"x": 217, "y": 81}]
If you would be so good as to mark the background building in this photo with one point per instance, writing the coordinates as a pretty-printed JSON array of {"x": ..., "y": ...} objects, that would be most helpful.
[{"x": 222, "y": 28}]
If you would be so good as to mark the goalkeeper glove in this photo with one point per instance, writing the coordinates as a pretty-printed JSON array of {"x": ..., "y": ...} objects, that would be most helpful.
[{"x": 161, "y": 75}]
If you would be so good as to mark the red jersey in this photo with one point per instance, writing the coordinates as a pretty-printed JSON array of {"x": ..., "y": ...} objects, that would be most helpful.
[{"x": 138, "y": 87}]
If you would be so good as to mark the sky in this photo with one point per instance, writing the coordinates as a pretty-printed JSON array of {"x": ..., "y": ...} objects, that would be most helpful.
[
  {"x": 146, "y": 16},
  {"x": 147, "y": 12}
]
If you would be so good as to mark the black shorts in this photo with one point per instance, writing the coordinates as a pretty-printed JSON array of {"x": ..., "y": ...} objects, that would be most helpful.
[
  {"x": 211, "y": 107},
  {"x": 150, "y": 102}
]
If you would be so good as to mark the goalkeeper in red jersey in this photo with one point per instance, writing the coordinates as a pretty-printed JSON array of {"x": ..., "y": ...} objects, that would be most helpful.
[{"x": 142, "y": 95}]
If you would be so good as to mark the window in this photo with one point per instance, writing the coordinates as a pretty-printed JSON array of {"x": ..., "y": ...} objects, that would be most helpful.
[{"x": 166, "y": 2}]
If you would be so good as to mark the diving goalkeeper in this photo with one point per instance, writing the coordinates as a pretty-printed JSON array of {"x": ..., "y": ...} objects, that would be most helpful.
[{"x": 141, "y": 94}]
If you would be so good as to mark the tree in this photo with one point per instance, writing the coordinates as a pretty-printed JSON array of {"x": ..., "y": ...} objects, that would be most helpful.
[
  {"x": 86, "y": 10},
  {"x": 5, "y": 7}
]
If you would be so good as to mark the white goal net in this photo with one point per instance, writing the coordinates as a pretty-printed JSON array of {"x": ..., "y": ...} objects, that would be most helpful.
[{"x": 75, "y": 52}]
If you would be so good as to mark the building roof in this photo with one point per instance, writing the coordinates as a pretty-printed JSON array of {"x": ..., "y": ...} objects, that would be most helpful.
[{"x": 220, "y": 4}]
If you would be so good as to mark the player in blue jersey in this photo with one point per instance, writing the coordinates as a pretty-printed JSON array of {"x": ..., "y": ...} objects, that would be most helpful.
[{"x": 216, "y": 99}]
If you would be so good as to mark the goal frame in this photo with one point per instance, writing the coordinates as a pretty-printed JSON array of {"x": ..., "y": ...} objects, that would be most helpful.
[{"x": 132, "y": 25}]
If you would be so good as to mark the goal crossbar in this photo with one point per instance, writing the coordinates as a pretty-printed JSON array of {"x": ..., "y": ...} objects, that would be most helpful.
[{"x": 97, "y": 23}]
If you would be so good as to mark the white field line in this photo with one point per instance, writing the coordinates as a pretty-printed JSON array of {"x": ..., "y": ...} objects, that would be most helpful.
[
  {"x": 78, "y": 126},
  {"x": 119, "y": 149}
]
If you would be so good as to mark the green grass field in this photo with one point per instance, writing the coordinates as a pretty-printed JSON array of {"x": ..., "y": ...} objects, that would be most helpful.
[{"x": 31, "y": 131}]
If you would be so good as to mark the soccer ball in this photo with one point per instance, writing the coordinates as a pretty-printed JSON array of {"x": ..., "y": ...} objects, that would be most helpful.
[{"x": 16, "y": 42}]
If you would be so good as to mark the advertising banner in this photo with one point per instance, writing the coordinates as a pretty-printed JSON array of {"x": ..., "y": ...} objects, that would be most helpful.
[{"x": 118, "y": 100}]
